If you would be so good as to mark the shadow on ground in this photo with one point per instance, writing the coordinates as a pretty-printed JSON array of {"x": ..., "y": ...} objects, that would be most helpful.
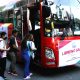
[{"x": 55, "y": 71}]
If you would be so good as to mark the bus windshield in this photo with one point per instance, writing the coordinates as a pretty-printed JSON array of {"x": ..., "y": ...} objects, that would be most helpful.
[
  {"x": 77, "y": 29},
  {"x": 56, "y": 20},
  {"x": 59, "y": 28}
]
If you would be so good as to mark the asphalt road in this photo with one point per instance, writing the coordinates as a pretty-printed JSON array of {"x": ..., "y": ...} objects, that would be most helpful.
[{"x": 66, "y": 73}]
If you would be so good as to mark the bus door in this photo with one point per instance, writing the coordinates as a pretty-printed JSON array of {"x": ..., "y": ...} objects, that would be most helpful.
[{"x": 35, "y": 23}]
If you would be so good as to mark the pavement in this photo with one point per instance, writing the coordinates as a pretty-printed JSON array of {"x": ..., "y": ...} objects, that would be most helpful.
[
  {"x": 66, "y": 73},
  {"x": 11, "y": 77}
]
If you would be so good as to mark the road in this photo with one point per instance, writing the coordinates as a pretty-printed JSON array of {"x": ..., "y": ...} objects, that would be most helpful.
[{"x": 67, "y": 73}]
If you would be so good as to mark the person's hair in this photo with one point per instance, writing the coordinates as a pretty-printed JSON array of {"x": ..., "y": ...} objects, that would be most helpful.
[
  {"x": 3, "y": 33},
  {"x": 14, "y": 31},
  {"x": 28, "y": 37}
]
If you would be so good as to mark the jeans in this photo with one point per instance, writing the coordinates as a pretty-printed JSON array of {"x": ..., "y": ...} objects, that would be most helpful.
[
  {"x": 26, "y": 58},
  {"x": 13, "y": 62}
]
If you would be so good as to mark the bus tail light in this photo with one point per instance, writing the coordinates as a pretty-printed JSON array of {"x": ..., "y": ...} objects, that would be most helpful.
[{"x": 49, "y": 53}]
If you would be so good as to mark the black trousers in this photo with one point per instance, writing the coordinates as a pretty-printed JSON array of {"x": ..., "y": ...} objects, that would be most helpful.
[{"x": 2, "y": 66}]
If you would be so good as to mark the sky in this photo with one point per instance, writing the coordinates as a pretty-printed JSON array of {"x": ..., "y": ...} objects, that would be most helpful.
[
  {"x": 72, "y": 6},
  {"x": 5, "y": 2}
]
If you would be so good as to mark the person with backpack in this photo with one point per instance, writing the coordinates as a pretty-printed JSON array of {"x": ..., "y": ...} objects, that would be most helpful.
[{"x": 27, "y": 46}]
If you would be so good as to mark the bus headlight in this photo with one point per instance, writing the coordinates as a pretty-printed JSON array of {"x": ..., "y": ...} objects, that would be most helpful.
[{"x": 49, "y": 53}]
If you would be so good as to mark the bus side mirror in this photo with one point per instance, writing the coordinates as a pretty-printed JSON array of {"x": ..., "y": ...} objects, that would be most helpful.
[{"x": 46, "y": 11}]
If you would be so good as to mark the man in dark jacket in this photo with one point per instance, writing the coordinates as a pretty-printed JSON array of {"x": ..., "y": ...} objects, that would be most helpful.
[{"x": 13, "y": 52}]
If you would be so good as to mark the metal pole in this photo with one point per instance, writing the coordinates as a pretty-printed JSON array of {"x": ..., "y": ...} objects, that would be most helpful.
[
  {"x": 22, "y": 21},
  {"x": 14, "y": 16}
]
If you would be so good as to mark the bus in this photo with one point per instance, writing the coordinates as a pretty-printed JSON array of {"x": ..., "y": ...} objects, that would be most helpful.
[{"x": 56, "y": 35}]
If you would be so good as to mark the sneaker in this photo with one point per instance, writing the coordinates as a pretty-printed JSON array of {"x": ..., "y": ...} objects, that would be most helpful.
[
  {"x": 28, "y": 77},
  {"x": 30, "y": 74},
  {"x": 5, "y": 78},
  {"x": 14, "y": 73},
  {"x": 9, "y": 72}
]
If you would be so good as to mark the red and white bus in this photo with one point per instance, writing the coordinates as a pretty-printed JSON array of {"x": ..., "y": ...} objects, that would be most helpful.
[{"x": 56, "y": 36}]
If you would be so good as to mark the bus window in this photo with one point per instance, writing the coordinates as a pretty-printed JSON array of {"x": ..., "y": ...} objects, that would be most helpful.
[
  {"x": 69, "y": 32},
  {"x": 59, "y": 28},
  {"x": 48, "y": 27},
  {"x": 77, "y": 29},
  {"x": 18, "y": 22}
]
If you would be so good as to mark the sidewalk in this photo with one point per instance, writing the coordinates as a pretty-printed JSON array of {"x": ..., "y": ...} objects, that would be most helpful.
[{"x": 11, "y": 77}]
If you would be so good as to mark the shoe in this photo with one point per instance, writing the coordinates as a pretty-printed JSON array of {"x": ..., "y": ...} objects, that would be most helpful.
[
  {"x": 14, "y": 73},
  {"x": 5, "y": 78},
  {"x": 9, "y": 72},
  {"x": 30, "y": 74},
  {"x": 28, "y": 77}
]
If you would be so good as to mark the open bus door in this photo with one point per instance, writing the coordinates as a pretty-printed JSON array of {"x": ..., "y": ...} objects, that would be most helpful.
[{"x": 36, "y": 30}]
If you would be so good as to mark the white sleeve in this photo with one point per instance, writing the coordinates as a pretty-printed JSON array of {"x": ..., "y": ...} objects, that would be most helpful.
[
  {"x": 28, "y": 20},
  {"x": 32, "y": 45},
  {"x": 1, "y": 45}
]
